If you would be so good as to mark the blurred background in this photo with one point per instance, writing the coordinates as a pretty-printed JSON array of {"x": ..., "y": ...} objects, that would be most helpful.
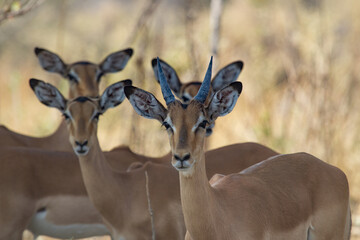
[{"x": 301, "y": 73}]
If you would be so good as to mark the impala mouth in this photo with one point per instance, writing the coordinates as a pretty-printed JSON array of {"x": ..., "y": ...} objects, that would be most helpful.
[
  {"x": 182, "y": 165},
  {"x": 81, "y": 151}
]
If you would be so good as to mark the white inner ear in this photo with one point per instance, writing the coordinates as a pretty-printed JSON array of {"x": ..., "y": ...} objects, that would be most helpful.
[
  {"x": 200, "y": 120},
  {"x": 226, "y": 76},
  {"x": 168, "y": 120},
  {"x": 49, "y": 96},
  {"x": 143, "y": 103},
  {"x": 225, "y": 104},
  {"x": 115, "y": 62},
  {"x": 113, "y": 96}
]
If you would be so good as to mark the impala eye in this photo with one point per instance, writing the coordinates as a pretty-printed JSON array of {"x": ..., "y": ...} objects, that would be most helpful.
[
  {"x": 203, "y": 124},
  {"x": 166, "y": 125},
  {"x": 96, "y": 117},
  {"x": 72, "y": 78},
  {"x": 185, "y": 99},
  {"x": 66, "y": 116}
]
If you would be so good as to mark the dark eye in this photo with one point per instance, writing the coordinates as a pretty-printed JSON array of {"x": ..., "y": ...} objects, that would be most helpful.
[
  {"x": 96, "y": 117},
  {"x": 166, "y": 125},
  {"x": 67, "y": 117},
  {"x": 203, "y": 124},
  {"x": 185, "y": 99},
  {"x": 72, "y": 78}
]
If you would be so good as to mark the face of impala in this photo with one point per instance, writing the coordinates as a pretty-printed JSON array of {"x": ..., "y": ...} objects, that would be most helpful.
[
  {"x": 186, "y": 127},
  {"x": 82, "y": 115},
  {"x": 84, "y": 79},
  {"x": 187, "y": 91},
  {"x": 84, "y": 76}
]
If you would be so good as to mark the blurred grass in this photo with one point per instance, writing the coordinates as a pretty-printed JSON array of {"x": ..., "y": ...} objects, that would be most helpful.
[{"x": 301, "y": 75}]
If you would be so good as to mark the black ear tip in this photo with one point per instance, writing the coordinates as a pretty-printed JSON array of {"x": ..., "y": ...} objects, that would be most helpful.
[
  {"x": 129, "y": 51},
  {"x": 129, "y": 91},
  {"x": 38, "y": 50},
  {"x": 153, "y": 62},
  {"x": 34, "y": 82},
  {"x": 237, "y": 85},
  {"x": 127, "y": 82},
  {"x": 240, "y": 64}
]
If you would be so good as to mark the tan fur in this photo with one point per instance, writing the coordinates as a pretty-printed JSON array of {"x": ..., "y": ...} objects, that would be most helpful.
[
  {"x": 12, "y": 142},
  {"x": 121, "y": 196},
  {"x": 58, "y": 141},
  {"x": 281, "y": 198}
]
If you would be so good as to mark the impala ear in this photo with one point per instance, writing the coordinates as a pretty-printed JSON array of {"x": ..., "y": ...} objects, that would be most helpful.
[
  {"x": 145, "y": 104},
  {"x": 48, "y": 94},
  {"x": 227, "y": 75},
  {"x": 170, "y": 74},
  {"x": 113, "y": 95},
  {"x": 116, "y": 61},
  {"x": 50, "y": 61},
  {"x": 224, "y": 101}
]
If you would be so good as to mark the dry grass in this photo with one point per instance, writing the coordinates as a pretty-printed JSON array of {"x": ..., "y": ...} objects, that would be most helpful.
[{"x": 301, "y": 75}]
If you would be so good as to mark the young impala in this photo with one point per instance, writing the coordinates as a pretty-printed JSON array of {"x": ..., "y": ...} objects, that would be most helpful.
[
  {"x": 293, "y": 196},
  {"x": 84, "y": 78},
  {"x": 186, "y": 92},
  {"x": 54, "y": 211},
  {"x": 121, "y": 197}
]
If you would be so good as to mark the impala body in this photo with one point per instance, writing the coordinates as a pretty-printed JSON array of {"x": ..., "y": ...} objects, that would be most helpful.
[
  {"x": 124, "y": 197},
  {"x": 293, "y": 196},
  {"x": 42, "y": 215}
]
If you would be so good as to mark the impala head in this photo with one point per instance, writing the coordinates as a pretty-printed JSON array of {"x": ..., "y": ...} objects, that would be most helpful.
[
  {"x": 186, "y": 92},
  {"x": 82, "y": 113},
  {"x": 185, "y": 123},
  {"x": 84, "y": 76}
]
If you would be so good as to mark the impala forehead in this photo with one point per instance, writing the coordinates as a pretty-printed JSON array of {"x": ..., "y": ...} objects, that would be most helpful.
[
  {"x": 85, "y": 71},
  {"x": 186, "y": 116},
  {"x": 82, "y": 106}
]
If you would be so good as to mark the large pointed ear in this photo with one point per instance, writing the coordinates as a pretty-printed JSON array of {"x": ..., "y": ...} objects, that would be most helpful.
[
  {"x": 224, "y": 101},
  {"x": 227, "y": 75},
  {"x": 48, "y": 94},
  {"x": 145, "y": 104},
  {"x": 170, "y": 74},
  {"x": 116, "y": 61},
  {"x": 113, "y": 95},
  {"x": 50, "y": 61}
]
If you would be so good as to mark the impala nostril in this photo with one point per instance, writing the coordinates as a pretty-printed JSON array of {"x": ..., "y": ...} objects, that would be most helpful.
[
  {"x": 184, "y": 158},
  {"x": 81, "y": 144}
]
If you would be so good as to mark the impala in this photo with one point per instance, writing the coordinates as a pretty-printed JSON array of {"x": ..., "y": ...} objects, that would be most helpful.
[
  {"x": 293, "y": 196},
  {"x": 84, "y": 78},
  {"x": 121, "y": 196},
  {"x": 59, "y": 214},
  {"x": 186, "y": 92}
]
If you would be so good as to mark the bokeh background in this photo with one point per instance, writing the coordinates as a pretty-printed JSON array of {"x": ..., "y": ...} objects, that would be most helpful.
[{"x": 301, "y": 75}]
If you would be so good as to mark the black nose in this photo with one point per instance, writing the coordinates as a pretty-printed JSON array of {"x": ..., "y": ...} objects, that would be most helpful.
[
  {"x": 81, "y": 144},
  {"x": 184, "y": 158}
]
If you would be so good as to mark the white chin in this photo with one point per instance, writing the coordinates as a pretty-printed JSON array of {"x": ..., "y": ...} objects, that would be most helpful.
[
  {"x": 182, "y": 166},
  {"x": 81, "y": 152}
]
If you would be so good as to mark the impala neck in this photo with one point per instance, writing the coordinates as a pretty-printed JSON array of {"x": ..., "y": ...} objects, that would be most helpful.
[
  {"x": 106, "y": 187},
  {"x": 196, "y": 200}
]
